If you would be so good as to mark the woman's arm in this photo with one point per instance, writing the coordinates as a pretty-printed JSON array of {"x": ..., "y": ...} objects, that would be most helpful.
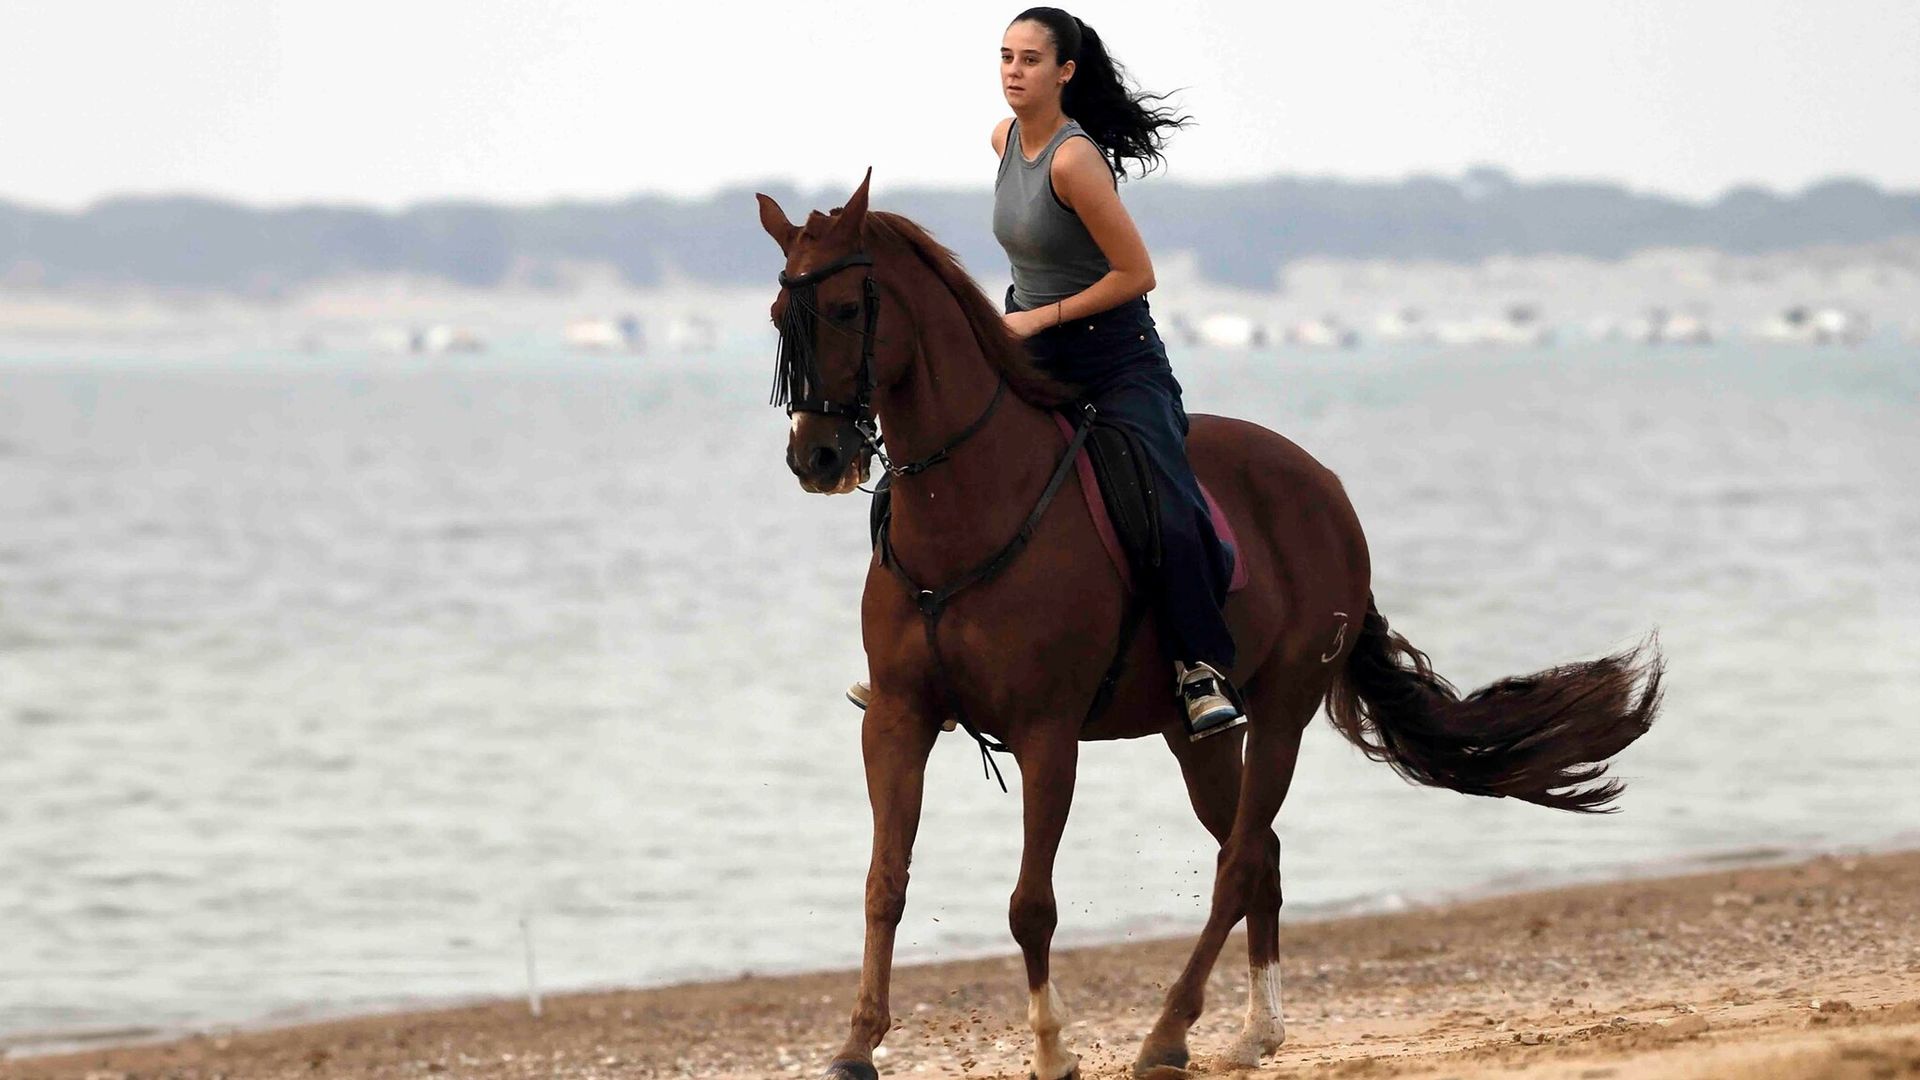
[{"x": 1086, "y": 185}]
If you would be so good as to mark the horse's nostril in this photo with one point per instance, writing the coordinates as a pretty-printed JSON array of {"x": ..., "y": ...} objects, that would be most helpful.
[{"x": 823, "y": 461}]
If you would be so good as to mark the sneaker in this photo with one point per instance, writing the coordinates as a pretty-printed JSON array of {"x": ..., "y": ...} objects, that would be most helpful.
[
  {"x": 1209, "y": 710},
  {"x": 861, "y": 692}
]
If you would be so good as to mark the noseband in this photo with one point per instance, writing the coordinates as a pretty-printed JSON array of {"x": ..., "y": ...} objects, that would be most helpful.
[{"x": 797, "y": 383}]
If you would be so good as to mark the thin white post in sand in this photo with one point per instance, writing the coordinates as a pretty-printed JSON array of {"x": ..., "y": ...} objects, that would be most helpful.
[{"x": 533, "y": 981}]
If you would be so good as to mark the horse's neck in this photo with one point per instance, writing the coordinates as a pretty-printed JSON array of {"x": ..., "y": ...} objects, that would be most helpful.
[{"x": 961, "y": 511}]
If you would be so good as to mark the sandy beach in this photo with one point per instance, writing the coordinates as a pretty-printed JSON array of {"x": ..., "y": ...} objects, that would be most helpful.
[{"x": 1803, "y": 970}]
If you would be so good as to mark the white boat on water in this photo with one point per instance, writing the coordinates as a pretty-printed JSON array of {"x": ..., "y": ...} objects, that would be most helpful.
[
  {"x": 1658, "y": 326},
  {"x": 439, "y": 338},
  {"x": 1518, "y": 325},
  {"x": 1327, "y": 332},
  {"x": 691, "y": 333},
  {"x": 396, "y": 339},
  {"x": 447, "y": 338},
  {"x": 621, "y": 334},
  {"x": 1685, "y": 329},
  {"x": 1405, "y": 326},
  {"x": 1231, "y": 330},
  {"x": 1801, "y": 325}
]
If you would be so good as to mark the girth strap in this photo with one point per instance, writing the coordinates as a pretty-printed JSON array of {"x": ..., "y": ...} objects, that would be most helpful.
[{"x": 933, "y": 602}]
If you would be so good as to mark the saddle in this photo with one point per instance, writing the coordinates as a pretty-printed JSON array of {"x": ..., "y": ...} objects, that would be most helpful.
[
  {"x": 1118, "y": 482},
  {"x": 1127, "y": 517}
]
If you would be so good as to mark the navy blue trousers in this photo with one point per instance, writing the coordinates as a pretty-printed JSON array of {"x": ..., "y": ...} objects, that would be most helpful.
[{"x": 1118, "y": 360}]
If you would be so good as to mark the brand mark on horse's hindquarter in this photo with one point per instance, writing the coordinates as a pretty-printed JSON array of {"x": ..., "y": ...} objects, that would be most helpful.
[{"x": 1339, "y": 638}]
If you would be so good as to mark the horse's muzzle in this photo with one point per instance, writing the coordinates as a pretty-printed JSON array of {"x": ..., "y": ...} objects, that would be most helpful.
[{"x": 827, "y": 454}]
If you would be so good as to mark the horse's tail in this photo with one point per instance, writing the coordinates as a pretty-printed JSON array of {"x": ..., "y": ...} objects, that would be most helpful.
[{"x": 1543, "y": 738}]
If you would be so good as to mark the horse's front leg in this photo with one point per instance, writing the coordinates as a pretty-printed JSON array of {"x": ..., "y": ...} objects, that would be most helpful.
[
  {"x": 1047, "y": 766},
  {"x": 895, "y": 742}
]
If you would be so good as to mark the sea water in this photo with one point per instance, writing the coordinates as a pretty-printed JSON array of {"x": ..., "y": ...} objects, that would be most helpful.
[{"x": 319, "y": 673}]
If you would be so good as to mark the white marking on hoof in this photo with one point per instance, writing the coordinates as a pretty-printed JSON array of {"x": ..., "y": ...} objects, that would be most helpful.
[
  {"x": 1046, "y": 1015},
  {"x": 1264, "y": 1031}
]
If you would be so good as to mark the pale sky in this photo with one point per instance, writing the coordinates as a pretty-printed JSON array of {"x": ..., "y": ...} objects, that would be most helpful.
[{"x": 283, "y": 101}]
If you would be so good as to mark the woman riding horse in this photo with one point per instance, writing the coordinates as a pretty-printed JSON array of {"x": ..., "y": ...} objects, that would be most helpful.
[
  {"x": 1080, "y": 278},
  {"x": 989, "y": 598}
]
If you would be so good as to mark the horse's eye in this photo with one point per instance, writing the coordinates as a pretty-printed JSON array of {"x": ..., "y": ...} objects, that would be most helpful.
[{"x": 843, "y": 312}]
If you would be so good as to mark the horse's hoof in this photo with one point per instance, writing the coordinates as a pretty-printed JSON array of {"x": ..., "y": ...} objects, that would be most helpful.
[
  {"x": 1073, "y": 1074},
  {"x": 1167, "y": 1064},
  {"x": 1248, "y": 1050},
  {"x": 850, "y": 1070}
]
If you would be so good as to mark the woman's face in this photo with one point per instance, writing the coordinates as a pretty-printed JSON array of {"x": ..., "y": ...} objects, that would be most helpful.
[{"x": 1029, "y": 73}]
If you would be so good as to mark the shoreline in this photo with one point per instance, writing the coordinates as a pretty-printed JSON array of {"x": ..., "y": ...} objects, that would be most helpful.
[
  {"x": 24, "y": 1045},
  {"x": 1707, "y": 972}
]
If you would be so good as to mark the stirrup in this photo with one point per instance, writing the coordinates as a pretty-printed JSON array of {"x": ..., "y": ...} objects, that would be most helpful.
[
  {"x": 861, "y": 692},
  {"x": 1210, "y": 709}
]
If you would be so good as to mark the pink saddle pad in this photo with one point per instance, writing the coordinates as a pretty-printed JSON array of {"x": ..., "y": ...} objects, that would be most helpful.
[{"x": 1109, "y": 539}]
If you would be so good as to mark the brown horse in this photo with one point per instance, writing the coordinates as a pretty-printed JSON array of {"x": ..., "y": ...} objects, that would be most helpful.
[{"x": 878, "y": 319}]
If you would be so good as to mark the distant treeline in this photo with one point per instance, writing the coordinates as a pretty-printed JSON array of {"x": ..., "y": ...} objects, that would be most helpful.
[{"x": 1242, "y": 233}]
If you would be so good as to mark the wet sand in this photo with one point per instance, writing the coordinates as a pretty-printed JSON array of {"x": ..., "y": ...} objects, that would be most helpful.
[{"x": 1799, "y": 971}]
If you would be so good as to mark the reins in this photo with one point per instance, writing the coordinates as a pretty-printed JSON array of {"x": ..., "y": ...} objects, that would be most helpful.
[
  {"x": 914, "y": 468},
  {"x": 797, "y": 384},
  {"x": 933, "y": 602}
]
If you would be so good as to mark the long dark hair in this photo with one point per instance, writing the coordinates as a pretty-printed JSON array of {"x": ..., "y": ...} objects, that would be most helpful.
[{"x": 1097, "y": 96}]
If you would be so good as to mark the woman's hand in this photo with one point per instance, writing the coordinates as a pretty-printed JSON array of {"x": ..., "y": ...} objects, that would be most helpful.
[{"x": 1025, "y": 324}]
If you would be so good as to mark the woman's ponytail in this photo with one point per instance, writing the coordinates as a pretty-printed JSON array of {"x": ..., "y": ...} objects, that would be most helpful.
[{"x": 1119, "y": 119}]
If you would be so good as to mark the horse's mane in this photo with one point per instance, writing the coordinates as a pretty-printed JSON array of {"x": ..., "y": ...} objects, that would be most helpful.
[{"x": 1004, "y": 352}]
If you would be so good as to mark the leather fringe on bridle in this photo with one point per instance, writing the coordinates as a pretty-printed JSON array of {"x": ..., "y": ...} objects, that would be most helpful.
[{"x": 796, "y": 369}]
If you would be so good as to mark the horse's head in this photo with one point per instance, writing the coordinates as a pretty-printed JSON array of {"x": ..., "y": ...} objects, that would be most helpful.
[{"x": 832, "y": 359}]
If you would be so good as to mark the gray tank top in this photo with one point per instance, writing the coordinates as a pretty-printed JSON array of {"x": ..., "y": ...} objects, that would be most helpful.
[{"x": 1052, "y": 254}]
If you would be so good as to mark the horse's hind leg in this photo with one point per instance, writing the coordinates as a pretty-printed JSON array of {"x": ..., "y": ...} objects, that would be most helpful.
[
  {"x": 1211, "y": 769},
  {"x": 1264, "y": 1029},
  {"x": 1246, "y": 883},
  {"x": 1048, "y": 763}
]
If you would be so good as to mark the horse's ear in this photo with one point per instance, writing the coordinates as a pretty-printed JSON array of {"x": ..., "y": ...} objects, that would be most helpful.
[
  {"x": 774, "y": 220},
  {"x": 854, "y": 214}
]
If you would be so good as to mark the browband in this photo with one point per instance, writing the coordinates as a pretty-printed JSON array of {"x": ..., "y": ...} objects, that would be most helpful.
[{"x": 821, "y": 273}]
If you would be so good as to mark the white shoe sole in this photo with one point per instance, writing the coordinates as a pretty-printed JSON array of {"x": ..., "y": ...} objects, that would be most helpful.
[{"x": 1229, "y": 725}]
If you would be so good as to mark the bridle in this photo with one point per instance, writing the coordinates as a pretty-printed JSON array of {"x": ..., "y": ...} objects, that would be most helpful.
[{"x": 797, "y": 382}]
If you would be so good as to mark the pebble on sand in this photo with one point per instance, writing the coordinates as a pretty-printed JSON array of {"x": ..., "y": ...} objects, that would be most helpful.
[{"x": 1687, "y": 1026}]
